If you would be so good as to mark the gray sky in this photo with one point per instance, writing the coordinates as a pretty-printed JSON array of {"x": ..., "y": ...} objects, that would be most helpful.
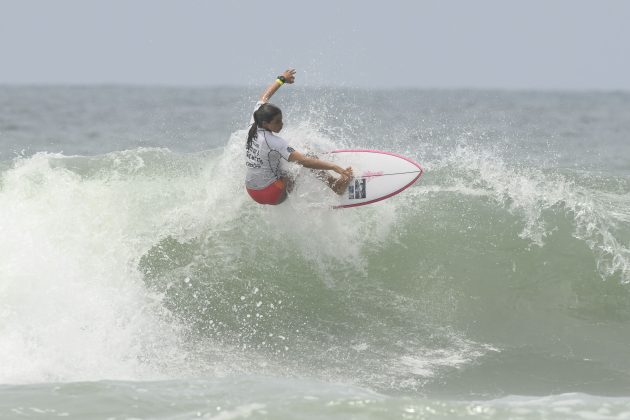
[{"x": 539, "y": 44}]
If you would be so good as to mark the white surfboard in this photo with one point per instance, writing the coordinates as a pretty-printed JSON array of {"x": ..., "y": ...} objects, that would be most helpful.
[{"x": 378, "y": 175}]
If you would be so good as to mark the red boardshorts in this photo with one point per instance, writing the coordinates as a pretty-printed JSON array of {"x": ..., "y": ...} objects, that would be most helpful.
[{"x": 272, "y": 194}]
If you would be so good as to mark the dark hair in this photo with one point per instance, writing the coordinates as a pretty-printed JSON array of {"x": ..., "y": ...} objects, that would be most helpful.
[{"x": 265, "y": 113}]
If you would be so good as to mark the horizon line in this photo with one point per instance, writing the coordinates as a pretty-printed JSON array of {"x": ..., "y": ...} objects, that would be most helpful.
[{"x": 314, "y": 86}]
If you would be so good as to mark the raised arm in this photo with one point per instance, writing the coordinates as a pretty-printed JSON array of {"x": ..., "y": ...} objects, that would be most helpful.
[{"x": 287, "y": 77}]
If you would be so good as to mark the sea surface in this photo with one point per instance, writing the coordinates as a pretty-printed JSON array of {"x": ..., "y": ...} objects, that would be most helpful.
[{"x": 139, "y": 280}]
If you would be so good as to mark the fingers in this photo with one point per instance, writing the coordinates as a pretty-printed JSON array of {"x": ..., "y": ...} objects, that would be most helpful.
[{"x": 289, "y": 75}]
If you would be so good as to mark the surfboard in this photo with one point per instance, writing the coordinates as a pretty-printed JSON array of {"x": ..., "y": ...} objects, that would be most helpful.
[{"x": 378, "y": 175}]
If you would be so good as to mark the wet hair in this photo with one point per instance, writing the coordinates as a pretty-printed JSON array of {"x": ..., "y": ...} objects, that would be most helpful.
[{"x": 265, "y": 113}]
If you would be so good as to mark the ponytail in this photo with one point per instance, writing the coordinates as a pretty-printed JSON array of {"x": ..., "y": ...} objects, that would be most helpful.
[
  {"x": 265, "y": 113},
  {"x": 252, "y": 133}
]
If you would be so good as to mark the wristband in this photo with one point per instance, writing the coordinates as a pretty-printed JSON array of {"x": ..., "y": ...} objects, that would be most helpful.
[{"x": 281, "y": 80}]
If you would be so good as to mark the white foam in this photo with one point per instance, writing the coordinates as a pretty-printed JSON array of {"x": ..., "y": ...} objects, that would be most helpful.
[
  {"x": 74, "y": 306},
  {"x": 530, "y": 192}
]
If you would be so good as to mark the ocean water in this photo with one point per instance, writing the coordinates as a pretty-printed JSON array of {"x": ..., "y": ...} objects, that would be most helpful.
[{"x": 138, "y": 280}]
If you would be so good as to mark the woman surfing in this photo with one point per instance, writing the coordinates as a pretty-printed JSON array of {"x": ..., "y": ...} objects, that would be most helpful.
[{"x": 265, "y": 182}]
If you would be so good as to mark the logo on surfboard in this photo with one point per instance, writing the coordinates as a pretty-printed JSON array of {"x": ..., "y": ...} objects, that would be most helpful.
[
  {"x": 371, "y": 174},
  {"x": 356, "y": 189}
]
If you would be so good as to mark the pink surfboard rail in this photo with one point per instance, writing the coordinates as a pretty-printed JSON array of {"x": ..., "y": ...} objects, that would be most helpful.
[{"x": 420, "y": 172}]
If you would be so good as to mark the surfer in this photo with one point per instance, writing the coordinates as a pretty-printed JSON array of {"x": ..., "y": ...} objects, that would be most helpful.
[{"x": 265, "y": 182}]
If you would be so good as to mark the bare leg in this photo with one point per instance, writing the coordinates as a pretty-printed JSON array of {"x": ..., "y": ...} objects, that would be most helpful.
[
  {"x": 289, "y": 183},
  {"x": 288, "y": 187}
]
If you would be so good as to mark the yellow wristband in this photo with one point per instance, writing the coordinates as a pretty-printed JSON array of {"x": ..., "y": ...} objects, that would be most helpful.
[{"x": 280, "y": 82}]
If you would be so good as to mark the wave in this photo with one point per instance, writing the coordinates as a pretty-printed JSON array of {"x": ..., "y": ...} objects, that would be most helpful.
[
  {"x": 596, "y": 205},
  {"x": 144, "y": 264}
]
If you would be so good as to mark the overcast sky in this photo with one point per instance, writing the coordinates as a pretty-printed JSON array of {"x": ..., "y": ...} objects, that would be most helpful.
[{"x": 528, "y": 44}]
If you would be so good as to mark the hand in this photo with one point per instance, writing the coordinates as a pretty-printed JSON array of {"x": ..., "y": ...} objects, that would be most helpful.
[
  {"x": 345, "y": 173},
  {"x": 289, "y": 76},
  {"x": 339, "y": 186}
]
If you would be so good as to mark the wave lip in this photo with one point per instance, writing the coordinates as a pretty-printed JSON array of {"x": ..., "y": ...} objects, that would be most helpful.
[{"x": 599, "y": 217}]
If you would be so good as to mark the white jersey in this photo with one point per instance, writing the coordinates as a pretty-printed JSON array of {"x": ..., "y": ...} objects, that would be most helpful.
[{"x": 264, "y": 158}]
